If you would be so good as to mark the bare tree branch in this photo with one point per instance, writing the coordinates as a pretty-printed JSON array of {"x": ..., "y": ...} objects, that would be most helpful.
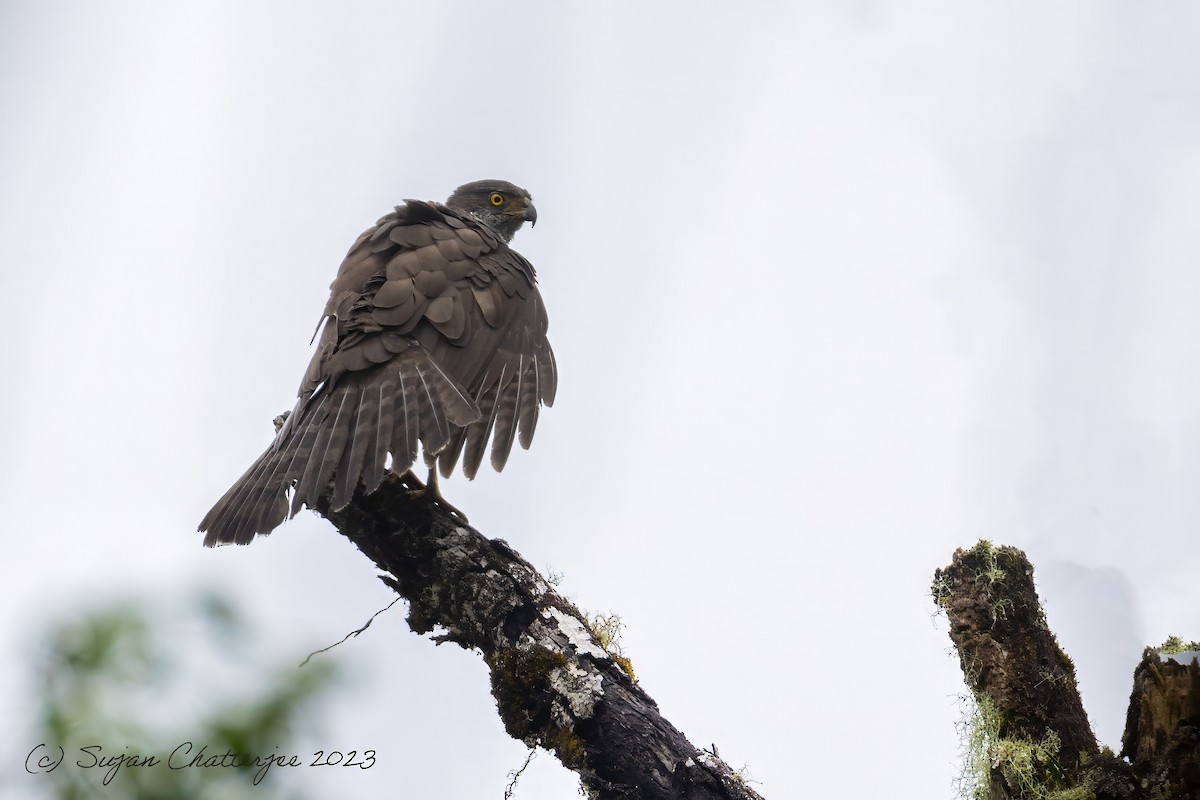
[{"x": 555, "y": 685}]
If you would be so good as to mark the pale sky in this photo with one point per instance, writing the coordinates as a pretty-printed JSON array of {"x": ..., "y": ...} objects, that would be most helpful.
[{"x": 834, "y": 289}]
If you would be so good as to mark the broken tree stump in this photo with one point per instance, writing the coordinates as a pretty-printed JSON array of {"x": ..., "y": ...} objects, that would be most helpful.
[
  {"x": 1162, "y": 728},
  {"x": 1028, "y": 736}
]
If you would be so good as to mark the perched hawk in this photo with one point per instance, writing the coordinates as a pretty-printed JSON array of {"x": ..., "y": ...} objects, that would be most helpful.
[{"x": 434, "y": 333}]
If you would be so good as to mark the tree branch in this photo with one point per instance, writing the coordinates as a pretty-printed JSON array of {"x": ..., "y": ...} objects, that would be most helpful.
[{"x": 555, "y": 685}]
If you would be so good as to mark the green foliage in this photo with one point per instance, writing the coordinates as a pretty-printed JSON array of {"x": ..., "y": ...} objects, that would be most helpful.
[{"x": 114, "y": 680}]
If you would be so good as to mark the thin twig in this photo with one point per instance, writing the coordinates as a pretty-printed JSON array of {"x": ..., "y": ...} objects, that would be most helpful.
[
  {"x": 515, "y": 775},
  {"x": 351, "y": 633}
]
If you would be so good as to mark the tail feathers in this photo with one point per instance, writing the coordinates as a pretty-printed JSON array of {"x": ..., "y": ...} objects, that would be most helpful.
[
  {"x": 377, "y": 445},
  {"x": 406, "y": 430},
  {"x": 332, "y": 434},
  {"x": 362, "y": 427},
  {"x": 343, "y": 436},
  {"x": 224, "y": 522}
]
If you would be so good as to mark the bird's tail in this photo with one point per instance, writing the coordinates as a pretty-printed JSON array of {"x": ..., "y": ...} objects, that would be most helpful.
[{"x": 343, "y": 434}]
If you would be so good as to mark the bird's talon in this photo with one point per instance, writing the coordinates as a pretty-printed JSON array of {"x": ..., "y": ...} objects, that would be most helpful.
[
  {"x": 430, "y": 493},
  {"x": 412, "y": 482},
  {"x": 452, "y": 511}
]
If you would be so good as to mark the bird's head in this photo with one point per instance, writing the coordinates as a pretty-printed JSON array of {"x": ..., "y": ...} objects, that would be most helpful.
[{"x": 500, "y": 205}]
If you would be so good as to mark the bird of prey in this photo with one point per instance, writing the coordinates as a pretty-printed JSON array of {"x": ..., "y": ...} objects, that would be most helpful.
[{"x": 434, "y": 333}]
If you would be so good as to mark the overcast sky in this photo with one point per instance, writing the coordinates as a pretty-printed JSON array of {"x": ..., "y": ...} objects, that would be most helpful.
[{"x": 834, "y": 289}]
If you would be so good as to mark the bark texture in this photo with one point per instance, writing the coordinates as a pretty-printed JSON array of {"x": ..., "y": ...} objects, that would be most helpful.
[
  {"x": 1031, "y": 734},
  {"x": 555, "y": 685},
  {"x": 1162, "y": 729}
]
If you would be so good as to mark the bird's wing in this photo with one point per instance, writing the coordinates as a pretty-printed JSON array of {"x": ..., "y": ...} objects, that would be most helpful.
[
  {"x": 500, "y": 355},
  {"x": 425, "y": 274}
]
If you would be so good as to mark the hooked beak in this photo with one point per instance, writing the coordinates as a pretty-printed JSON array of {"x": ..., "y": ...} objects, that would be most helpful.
[{"x": 530, "y": 215}]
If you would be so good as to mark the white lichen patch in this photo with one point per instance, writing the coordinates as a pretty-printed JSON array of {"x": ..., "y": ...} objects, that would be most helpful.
[
  {"x": 575, "y": 631},
  {"x": 541, "y": 586},
  {"x": 538, "y": 586},
  {"x": 578, "y": 689}
]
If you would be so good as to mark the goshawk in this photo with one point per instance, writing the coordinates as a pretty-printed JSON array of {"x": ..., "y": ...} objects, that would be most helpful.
[{"x": 434, "y": 333}]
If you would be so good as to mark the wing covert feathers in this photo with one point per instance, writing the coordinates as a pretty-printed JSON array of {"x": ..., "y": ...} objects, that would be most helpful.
[{"x": 435, "y": 340}]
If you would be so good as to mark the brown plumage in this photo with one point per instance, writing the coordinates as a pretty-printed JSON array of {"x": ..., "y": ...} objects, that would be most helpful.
[{"x": 434, "y": 335}]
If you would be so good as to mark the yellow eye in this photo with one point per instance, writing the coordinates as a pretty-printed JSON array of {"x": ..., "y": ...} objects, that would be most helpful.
[{"x": 497, "y": 199}]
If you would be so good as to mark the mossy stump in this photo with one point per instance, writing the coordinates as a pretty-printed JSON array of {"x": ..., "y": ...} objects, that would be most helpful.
[{"x": 1162, "y": 729}]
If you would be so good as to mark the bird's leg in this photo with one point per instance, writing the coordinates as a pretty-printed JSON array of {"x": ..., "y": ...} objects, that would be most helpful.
[{"x": 429, "y": 491}]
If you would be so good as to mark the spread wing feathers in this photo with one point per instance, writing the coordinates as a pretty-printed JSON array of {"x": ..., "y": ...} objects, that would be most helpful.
[
  {"x": 509, "y": 407},
  {"x": 344, "y": 435},
  {"x": 510, "y": 378},
  {"x": 434, "y": 338},
  {"x": 477, "y": 435}
]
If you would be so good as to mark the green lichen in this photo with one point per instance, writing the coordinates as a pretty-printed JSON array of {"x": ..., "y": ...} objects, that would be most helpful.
[
  {"x": 990, "y": 568},
  {"x": 980, "y": 730},
  {"x": 991, "y": 571},
  {"x": 743, "y": 775},
  {"x": 1175, "y": 645},
  {"x": 1053, "y": 677},
  {"x": 1029, "y": 769},
  {"x": 1023, "y": 763},
  {"x": 606, "y": 628}
]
